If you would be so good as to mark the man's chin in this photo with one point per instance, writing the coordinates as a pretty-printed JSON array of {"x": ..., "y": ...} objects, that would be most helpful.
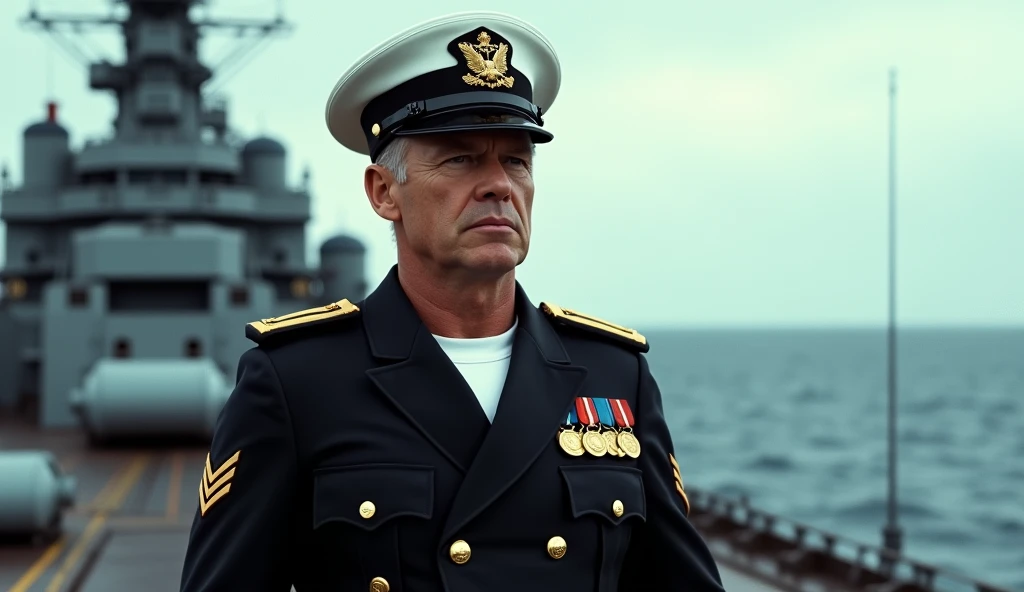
[{"x": 493, "y": 258}]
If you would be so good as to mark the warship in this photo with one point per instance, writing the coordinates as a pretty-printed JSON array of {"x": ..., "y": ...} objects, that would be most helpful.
[{"x": 132, "y": 266}]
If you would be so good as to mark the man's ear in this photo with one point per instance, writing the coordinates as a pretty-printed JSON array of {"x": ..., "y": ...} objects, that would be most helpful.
[{"x": 378, "y": 181}]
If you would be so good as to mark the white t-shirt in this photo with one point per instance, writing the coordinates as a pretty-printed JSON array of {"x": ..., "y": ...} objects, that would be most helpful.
[{"x": 483, "y": 362}]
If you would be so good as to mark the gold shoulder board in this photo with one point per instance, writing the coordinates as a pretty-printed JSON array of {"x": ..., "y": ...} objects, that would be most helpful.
[
  {"x": 565, "y": 316},
  {"x": 259, "y": 331}
]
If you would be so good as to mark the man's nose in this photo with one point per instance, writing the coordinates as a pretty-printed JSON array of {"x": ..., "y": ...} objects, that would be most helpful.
[{"x": 495, "y": 181}]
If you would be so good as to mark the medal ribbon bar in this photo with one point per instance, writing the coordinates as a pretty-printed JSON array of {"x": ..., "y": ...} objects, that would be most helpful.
[
  {"x": 593, "y": 441},
  {"x": 624, "y": 418}
]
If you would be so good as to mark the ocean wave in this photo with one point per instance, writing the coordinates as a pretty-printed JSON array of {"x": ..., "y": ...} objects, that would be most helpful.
[
  {"x": 945, "y": 535},
  {"x": 771, "y": 462},
  {"x": 875, "y": 509},
  {"x": 826, "y": 441},
  {"x": 1002, "y": 525},
  {"x": 734, "y": 490},
  {"x": 811, "y": 394},
  {"x": 913, "y": 435}
]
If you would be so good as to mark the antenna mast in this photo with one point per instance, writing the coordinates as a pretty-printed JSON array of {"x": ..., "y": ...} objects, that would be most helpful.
[{"x": 892, "y": 534}]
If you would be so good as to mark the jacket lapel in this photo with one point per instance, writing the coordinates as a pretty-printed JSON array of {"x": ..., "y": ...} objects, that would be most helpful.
[
  {"x": 541, "y": 385},
  {"x": 422, "y": 383}
]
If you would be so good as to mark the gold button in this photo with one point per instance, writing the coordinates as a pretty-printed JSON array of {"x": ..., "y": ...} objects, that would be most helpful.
[
  {"x": 618, "y": 508},
  {"x": 366, "y": 509},
  {"x": 556, "y": 547},
  {"x": 379, "y": 585},
  {"x": 460, "y": 552},
  {"x": 375, "y": 130}
]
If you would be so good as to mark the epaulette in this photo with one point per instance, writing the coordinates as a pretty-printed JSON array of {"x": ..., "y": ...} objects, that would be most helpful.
[
  {"x": 621, "y": 334},
  {"x": 260, "y": 331}
]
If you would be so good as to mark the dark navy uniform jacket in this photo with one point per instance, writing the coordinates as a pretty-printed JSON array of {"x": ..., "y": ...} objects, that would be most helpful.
[{"x": 353, "y": 456}]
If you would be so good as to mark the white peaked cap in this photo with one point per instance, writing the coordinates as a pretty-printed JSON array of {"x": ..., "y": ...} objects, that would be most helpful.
[{"x": 464, "y": 71}]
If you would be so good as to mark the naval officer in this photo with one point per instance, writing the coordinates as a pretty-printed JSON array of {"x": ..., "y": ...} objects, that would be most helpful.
[{"x": 446, "y": 433}]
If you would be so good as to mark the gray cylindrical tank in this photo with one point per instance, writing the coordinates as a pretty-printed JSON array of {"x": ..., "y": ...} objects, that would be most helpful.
[
  {"x": 128, "y": 397},
  {"x": 33, "y": 493},
  {"x": 342, "y": 269},
  {"x": 263, "y": 162},
  {"x": 45, "y": 155}
]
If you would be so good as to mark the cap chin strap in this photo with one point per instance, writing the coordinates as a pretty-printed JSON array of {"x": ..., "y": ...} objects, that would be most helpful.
[{"x": 418, "y": 110}]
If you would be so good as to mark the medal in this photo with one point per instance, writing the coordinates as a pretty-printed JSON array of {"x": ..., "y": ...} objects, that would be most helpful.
[
  {"x": 627, "y": 442},
  {"x": 607, "y": 419},
  {"x": 593, "y": 441},
  {"x": 611, "y": 437},
  {"x": 568, "y": 438},
  {"x": 570, "y": 442}
]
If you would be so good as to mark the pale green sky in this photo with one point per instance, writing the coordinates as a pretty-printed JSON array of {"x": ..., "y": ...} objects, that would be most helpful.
[{"x": 714, "y": 162}]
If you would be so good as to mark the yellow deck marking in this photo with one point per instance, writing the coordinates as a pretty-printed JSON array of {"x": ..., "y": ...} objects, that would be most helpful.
[
  {"x": 174, "y": 487},
  {"x": 40, "y": 566},
  {"x": 125, "y": 482},
  {"x": 54, "y": 550}
]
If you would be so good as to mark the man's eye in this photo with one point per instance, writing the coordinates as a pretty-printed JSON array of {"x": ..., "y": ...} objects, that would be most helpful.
[{"x": 457, "y": 159}]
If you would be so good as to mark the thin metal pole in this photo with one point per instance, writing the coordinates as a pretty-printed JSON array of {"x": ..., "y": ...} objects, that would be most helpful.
[{"x": 892, "y": 534}]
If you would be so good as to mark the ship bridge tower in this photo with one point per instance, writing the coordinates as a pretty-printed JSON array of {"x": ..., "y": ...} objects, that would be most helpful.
[
  {"x": 134, "y": 262},
  {"x": 158, "y": 86}
]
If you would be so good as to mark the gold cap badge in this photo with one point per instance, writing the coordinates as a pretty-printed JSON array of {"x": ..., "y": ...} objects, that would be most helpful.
[{"x": 486, "y": 71}]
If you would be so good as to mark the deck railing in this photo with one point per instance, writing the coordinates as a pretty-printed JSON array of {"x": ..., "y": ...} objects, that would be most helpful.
[{"x": 795, "y": 552}]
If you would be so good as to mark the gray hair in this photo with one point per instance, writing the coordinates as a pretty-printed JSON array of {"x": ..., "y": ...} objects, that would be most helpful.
[
  {"x": 392, "y": 159},
  {"x": 393, "y": 156}
]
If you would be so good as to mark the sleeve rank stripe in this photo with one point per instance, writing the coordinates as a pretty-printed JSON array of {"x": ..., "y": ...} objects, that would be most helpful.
[
  {"x": 204, "y": 504},
  {"x": 679, "y": 482},
  {"x": 214, "y": 485},
  {"x": 212, "y": 475},
  {"x": 686, "y": 500}
]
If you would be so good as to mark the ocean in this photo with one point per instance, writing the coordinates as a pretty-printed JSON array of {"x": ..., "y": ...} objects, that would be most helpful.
[{"x": 796, "y": 421}]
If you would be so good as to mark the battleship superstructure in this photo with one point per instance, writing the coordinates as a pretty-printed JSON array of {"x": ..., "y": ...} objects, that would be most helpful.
[
  {"x": 132, "y": 263},
  {"x": 132, "y": 266}
]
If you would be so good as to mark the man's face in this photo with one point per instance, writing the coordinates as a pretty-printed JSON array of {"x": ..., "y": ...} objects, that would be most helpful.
[{"x": 467, "y": 200}]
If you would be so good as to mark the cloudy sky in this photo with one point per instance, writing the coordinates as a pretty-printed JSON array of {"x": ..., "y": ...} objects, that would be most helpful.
[{"x": 715, "y": 163}]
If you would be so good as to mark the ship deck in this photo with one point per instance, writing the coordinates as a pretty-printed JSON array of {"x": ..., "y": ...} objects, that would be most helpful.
[
  {"x": 134, "y": 506},
  {"x": 128, "y": 527}
]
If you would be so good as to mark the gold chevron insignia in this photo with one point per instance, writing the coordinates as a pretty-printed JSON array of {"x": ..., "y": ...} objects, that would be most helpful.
[
  {"x": 258, "y": 330},
  {"x": 567, "y": 315},
  {"x": 216, "y": 484},
  {"x": 486, "y": 70},
  {"x": 679, "y": 482}
]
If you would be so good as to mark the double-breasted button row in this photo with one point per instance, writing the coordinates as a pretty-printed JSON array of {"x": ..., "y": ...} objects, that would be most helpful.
[{"x": 460, "y": 551}]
